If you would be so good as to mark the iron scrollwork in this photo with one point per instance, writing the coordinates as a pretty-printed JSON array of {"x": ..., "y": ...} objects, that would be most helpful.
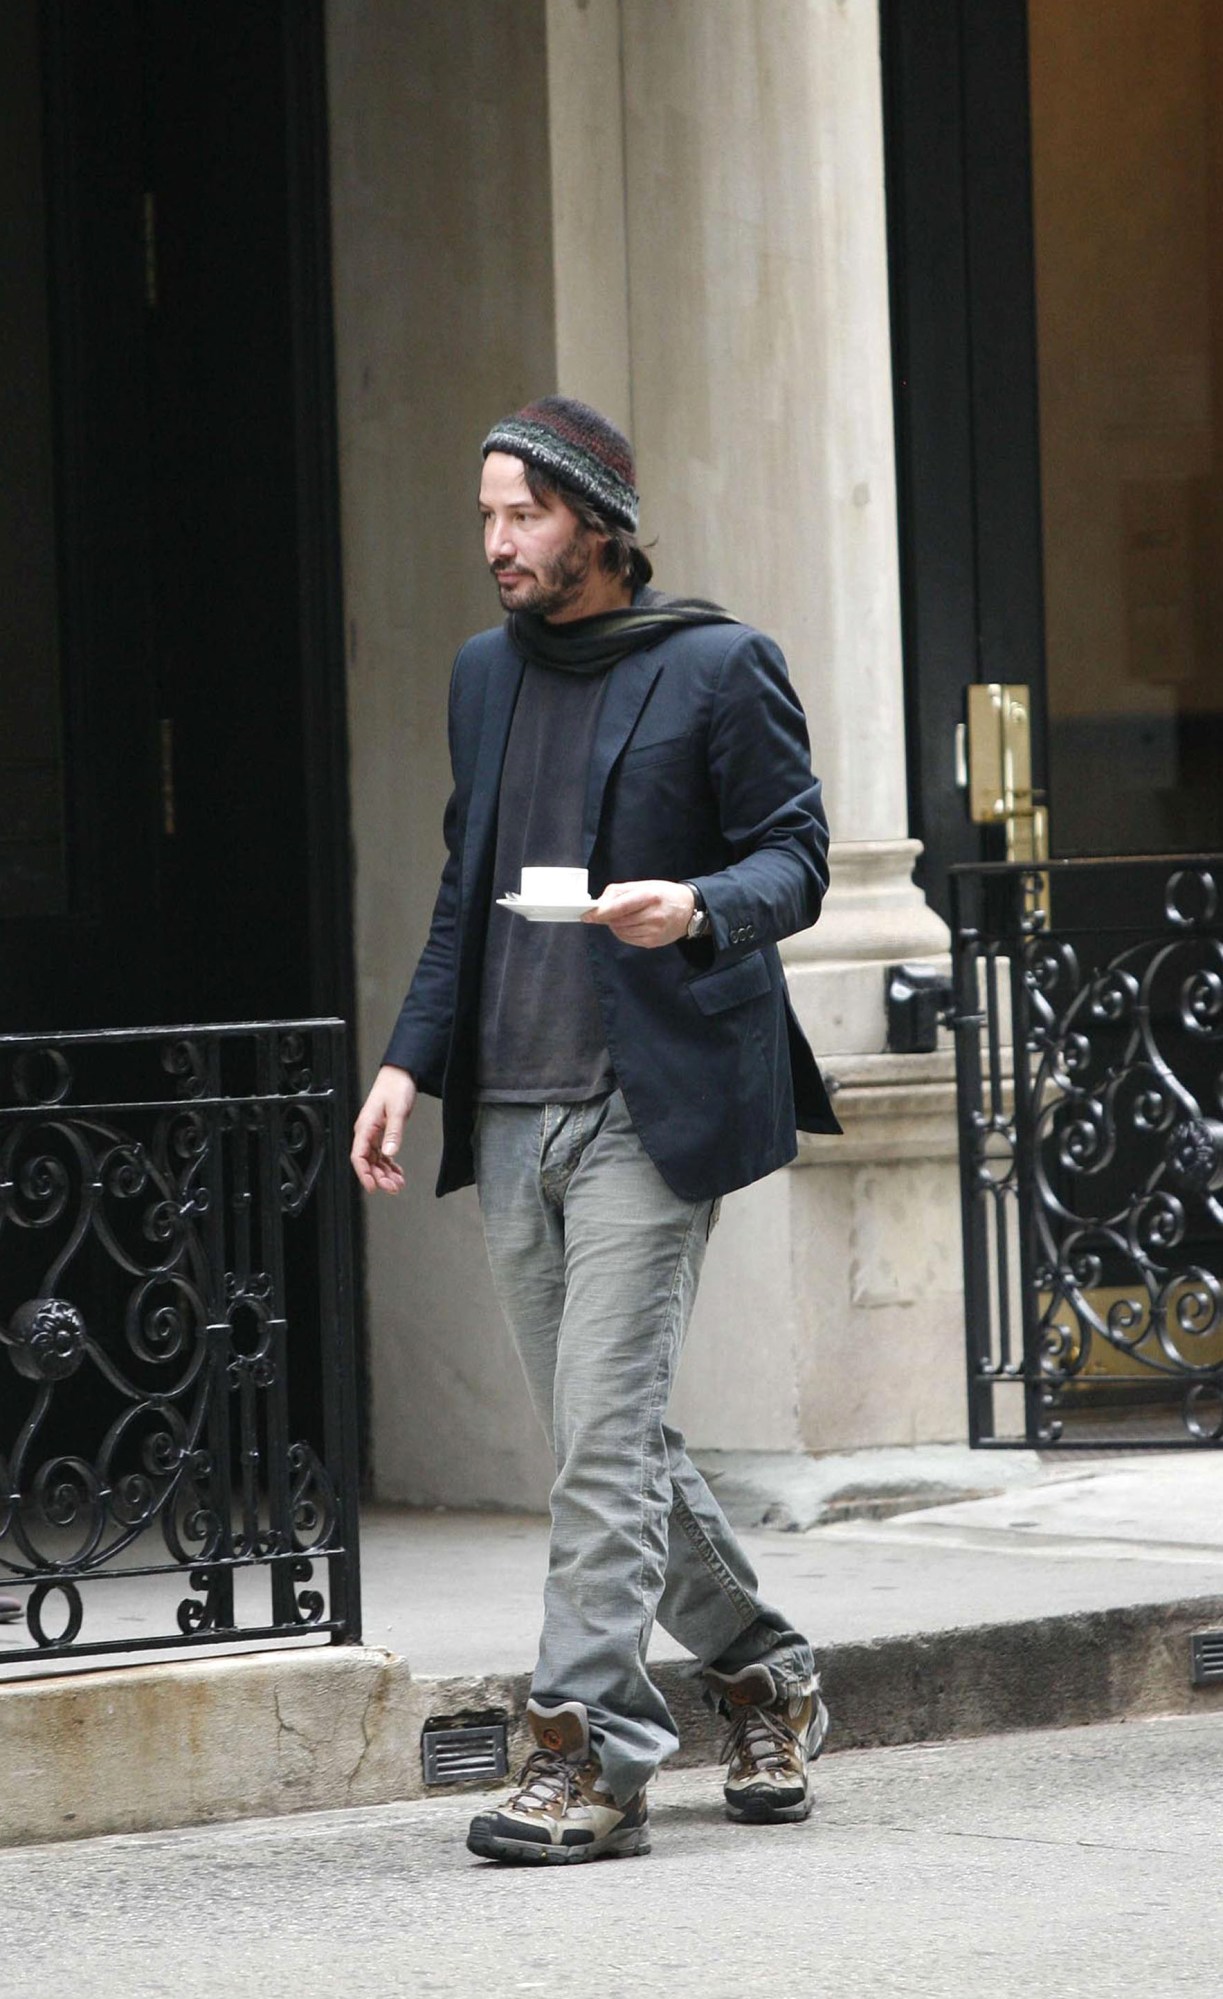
[
  {"x": 1107, "y": 1230},
  {"x": 148, "y": 1284}
]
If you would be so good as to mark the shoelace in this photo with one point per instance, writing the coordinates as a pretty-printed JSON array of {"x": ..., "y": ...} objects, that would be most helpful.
[
  {"x": 545, "y": 1779},
  {"x": 761, "y": 1736}
]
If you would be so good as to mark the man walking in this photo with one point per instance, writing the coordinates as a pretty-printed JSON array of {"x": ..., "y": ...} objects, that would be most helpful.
[{"x": 604, "y": 1082}]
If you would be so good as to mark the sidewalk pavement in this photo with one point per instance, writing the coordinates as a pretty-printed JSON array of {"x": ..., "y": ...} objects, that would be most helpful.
[
  {"x": 1050, "y": 1592},
  {"x": 460, "y": 1593}
]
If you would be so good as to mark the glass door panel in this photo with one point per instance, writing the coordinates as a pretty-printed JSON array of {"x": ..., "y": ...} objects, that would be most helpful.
[{"x": 1127, "y": 175}]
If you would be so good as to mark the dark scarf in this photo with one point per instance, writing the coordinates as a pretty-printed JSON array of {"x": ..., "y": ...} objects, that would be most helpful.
[{"x": 590, "y": 645}]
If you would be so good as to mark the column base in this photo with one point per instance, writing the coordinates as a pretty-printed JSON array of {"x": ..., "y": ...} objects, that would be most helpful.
[{"x": 874, "y": 916}]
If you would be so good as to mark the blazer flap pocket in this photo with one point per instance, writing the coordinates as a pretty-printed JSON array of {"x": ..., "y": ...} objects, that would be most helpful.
[
  {"x": 731, "y": 985},
  {"x": 666, "y": 750}
]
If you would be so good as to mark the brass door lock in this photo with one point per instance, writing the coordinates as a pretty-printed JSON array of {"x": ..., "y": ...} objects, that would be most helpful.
[{"x": 994, "y": 767}]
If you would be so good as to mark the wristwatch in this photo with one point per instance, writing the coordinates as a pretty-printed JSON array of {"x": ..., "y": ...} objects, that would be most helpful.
[{"x": 699, "y": 922}]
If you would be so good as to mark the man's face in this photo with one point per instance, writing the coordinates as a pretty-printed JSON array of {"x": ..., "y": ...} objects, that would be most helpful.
[{"x": 538, "y": 551}]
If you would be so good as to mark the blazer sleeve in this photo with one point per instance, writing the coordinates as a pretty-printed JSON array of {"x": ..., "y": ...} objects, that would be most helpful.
[
  {"x": 770, "y": 805},
  {"x": 420, "y": 1042}
]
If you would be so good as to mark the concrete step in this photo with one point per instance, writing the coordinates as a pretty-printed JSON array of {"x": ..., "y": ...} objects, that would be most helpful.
[{"x": 151, "y": 1746}]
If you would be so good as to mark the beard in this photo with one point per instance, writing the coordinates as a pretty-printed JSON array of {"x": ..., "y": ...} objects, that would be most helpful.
[{"x": 556, "y": 584}]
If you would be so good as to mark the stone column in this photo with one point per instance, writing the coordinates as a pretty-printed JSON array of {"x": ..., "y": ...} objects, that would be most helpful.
[
  {"x": 589, "y": 251},
  {"x": 761, "y": 403},
  {"x": 761, "y": 399}
]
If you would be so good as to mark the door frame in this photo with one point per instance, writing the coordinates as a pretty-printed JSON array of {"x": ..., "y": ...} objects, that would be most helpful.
[
  {"x": 321, "y": 609},
  {"x": 957, "y": 146},
  {"x": 329, "y": 857}
]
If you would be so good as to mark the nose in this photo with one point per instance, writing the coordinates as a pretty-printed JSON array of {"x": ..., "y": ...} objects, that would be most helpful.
[{"x": 498, "y": 541}]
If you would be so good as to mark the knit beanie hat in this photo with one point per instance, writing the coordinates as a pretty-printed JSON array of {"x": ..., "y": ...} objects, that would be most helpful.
[{"x": 579, "y": 449}]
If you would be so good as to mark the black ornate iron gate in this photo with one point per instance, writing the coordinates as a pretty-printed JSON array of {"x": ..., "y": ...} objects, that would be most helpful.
[
  {"x": 177, "y": 1407},
  {"x": 1089, "y": 1051}
]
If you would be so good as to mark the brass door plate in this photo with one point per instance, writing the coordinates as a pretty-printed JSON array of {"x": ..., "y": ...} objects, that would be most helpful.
[
  {"x": 999, "y": 775},
  {"x": 999, "y": 752}
]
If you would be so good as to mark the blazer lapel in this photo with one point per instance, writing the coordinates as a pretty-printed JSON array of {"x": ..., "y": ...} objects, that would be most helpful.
[
  {"x": 629, "y": 683},
  {"x": 501, "y": 693}
]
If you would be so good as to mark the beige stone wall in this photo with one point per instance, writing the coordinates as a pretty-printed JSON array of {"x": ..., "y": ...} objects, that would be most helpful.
[{"x": 444, "y": 320}]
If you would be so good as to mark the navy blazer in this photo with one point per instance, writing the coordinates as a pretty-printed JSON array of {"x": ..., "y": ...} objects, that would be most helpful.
[{"x": 700, "y": 772}]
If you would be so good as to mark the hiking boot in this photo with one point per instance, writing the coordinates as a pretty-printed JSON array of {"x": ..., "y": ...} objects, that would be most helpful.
[
  {"x": 774, "y": 1737},
  {"x": 560, "y": 1809}
]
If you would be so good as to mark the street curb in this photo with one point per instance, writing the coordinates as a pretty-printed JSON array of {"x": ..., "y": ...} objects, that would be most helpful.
[
  {"x": 151, "y": 1747},
  {"x": 1087, "y": 1666}
]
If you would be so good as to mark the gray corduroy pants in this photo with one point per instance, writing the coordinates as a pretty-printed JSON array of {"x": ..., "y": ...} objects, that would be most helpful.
[{"x": 595, "y": 1263}]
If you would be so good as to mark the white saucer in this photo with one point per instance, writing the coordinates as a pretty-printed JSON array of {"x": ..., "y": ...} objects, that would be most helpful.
[{"x": 546, "y": 912}]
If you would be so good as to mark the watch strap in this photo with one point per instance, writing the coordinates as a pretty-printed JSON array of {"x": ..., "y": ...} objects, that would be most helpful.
[{"x": 699, "y": 923}]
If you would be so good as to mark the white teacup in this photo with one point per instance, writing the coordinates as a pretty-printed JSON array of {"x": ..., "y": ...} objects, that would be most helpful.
[{"x": 564, "y": 885}]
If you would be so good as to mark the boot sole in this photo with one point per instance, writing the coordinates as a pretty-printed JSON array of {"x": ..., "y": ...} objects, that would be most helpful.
[
  {"x": 525, "y": 1853},
  {"x": 762, "y": 1813}
]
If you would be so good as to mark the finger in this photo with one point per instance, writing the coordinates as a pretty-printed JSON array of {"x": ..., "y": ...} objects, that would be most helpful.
[
  {"x": 641, "y": 935},
  {"x": 366, "y": 1131},
  {"x": 394, "y": 1134},
  {"x": 614, "y": 905}
]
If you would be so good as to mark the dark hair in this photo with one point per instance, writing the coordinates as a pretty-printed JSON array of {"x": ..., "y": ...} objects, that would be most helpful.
[{"x": 622, "y": 554}]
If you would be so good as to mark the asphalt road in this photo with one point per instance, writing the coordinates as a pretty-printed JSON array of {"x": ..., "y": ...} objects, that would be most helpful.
[{"x": 1073, "y": 1862}]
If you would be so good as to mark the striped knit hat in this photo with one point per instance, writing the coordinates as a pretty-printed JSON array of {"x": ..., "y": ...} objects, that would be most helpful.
[{"x": 578, "y": 448}]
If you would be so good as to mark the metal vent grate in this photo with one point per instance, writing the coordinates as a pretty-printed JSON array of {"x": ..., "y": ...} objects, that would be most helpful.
[
  {"x": 455, "y": 1750},
  {"x": 1206, "y": 1658}
]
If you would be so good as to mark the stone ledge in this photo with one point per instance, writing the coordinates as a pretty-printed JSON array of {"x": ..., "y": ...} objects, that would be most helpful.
[
  {"x": 892, "y": 1107},
  {"x": 133, "y": 1748},
  {"x": 791, "y": 1491}
]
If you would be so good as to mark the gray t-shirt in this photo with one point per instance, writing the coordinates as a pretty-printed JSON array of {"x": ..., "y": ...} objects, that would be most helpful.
[{"x": 541, "y": 1034}]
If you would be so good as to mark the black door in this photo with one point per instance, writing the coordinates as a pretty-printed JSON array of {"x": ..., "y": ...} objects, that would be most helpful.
[
  {"x": 172, "y": 810},
  {"x": 173, "y": 815},
  {"x": 1055, "y": 176}
]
